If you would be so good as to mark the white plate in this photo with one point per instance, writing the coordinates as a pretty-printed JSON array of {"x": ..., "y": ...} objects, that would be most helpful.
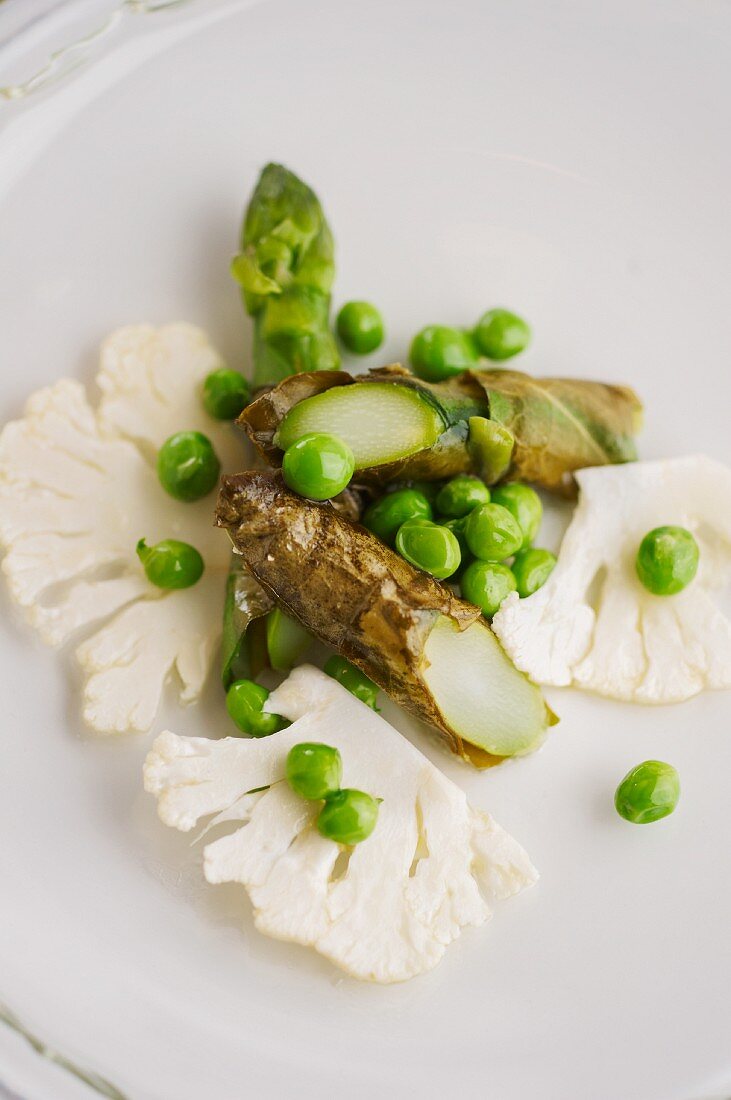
[{"x": 570, "y": 161}]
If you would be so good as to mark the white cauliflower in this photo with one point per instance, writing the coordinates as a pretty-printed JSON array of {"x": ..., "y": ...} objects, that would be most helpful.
[
  {"x": 593, "y": 624},
  {"x": 407, "y": 891},
  {"x": 78, "y": 488}
]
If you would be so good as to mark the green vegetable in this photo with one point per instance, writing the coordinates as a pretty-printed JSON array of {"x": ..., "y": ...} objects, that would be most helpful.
[
  {"x": 648, "y": 792},
  {"x": 287, "y": 640},
  {"x": 360, "y": 327},
  {"x": 490, "y": 447},
  {"x": 171, "y": 564},
  {"x": 348, "y": 817},
  {"x": 525, "y": 505},
  {"x": 243, "y": 644},
  {"x": 492, "y": 533},
  {"x": 286, "y": 270},
  {"x": 187, "y": 466},
  {"x": 245, "y": 701},
  {"x": 384, "y": 516},
  {"x": 486, "y": 584},
  {"x": 356, "y": 682},
  {"x": 460, "y": 495},
  {"x": 438, "y": 352},
  {"x": 318, "y": 466},
  {"x": 429, "y": 546},
  {"x": 492, "y": 423},
  {"x": 379, "y": 422},
  {"x": 457, "y": 526},
  {"x": 500, "y": 334},
  {"x": 532, "y": 568},
  {"x": 667, "y": 560},
  {"x": 314, "y": 770},
  {"x": 225, "y": 394}
]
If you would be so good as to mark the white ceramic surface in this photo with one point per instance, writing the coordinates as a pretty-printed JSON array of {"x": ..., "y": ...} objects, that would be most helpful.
[{"x": 568, "y": 160}]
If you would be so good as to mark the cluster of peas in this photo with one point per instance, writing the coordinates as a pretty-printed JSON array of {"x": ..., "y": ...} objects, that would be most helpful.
[{"x": 188, "y": 469}]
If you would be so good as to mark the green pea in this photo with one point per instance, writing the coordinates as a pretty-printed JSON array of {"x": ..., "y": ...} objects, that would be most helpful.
[
  {"x": 429, "y": 546},
  {"x": 360, "y": 327},
  {"x": 318, "y": 466},
  {"x": 667, "y": 560},
  {"x": 314, "y": 770},
  {"x": 525, "y": 505},
  {"x": 171, "y": 564},
  {"x": 501, "y": 334},
  {"x": 532, "y": 568},
  {"x": 438, "y": 352},
  {"x": 225, "y": 394},
  {"x": 244, "y": 702},
  {"x": 384, "y": 516},
  {"x": 486, "y": 584},
  {"x": 493, "y": 533},
  {"x": 356, "y": 682},
  {"x": 460, "y": 495},
  {"x": 187, "y": 466},
  {"x": 348, "y": 816},
  {"x": 648, "y": 792}
]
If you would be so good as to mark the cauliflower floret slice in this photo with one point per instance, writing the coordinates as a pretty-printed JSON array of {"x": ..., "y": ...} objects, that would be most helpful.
[
  {"x": 78, "y": 488},
  {"x": 594, "y": 625},
  {"x": 429, "y": 868}
]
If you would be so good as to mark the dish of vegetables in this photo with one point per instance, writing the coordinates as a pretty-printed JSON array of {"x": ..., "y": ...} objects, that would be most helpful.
[{"x": 375, "y": 521}]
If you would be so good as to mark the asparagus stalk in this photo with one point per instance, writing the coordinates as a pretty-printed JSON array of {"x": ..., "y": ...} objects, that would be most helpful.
[
  {"x": 286, "y": 269},
  {"x": 494, "y": 423},
  {"x": 433, "y": 653}
]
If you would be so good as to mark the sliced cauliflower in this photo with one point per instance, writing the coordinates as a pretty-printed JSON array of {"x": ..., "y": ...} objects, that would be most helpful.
[
  {"x": 594, "y": 625},
  {"x": 407, "y": 891},
  {"x": 78, "y": 488}
]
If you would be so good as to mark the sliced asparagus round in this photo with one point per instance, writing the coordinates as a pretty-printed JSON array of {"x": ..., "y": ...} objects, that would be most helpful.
[{"x": 380, "y": 422}]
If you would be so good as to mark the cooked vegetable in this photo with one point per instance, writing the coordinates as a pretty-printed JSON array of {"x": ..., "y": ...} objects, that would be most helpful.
[
  {"x": 170, "y": 563},
  {"x": 187, "y": 466},
  {"x": 380, "y": 423},
  {"x": 525, "y": 505},
  {"x": 360, "y": 327},
  {"x": 594, "y": 625},
  {"x": 244, "y": 649},
  {"x": 353, "y": 679},
  {"x": 486, "y": 584},
  {"x": 532, "y": 567},
  {"x": 318, "y": 466},
  {"x": 225, "y": 394},
  {"x": 430, "y": 651},
  {"x": 430, "y": 868},
  {"x": 77, "y": 490},
  {"x": 457, "y": 526},
  {"x": 647, "y": 793},
  {"x": 500, "y": 334},
  {"x": 314, "y": 771},
  {"x": 348, "y": 816},
  {"x": 244, "y": 702},
  {"x": 439, "y": 352},
  {"x": 429, "y": 546},
  {"x": 492, "y": 533},
  {"x": 286, "y": 270},
  {"x": 493, "y": 423},
  {"x": 460, "y": 495},
  {"x": 667, "y": 560},
  {"x": 384, "y": 516},
  {"x": 287, "y": 640}
]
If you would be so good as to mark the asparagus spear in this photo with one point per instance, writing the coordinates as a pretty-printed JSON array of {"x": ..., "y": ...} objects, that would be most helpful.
[
  {"x": 495, "y": 423},
  {"x": 286, "y": 270},
  {"x": 430, "y": 651}
]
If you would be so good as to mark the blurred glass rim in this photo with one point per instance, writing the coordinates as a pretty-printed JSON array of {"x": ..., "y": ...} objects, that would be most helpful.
[{"x": 43, "y": 41}]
